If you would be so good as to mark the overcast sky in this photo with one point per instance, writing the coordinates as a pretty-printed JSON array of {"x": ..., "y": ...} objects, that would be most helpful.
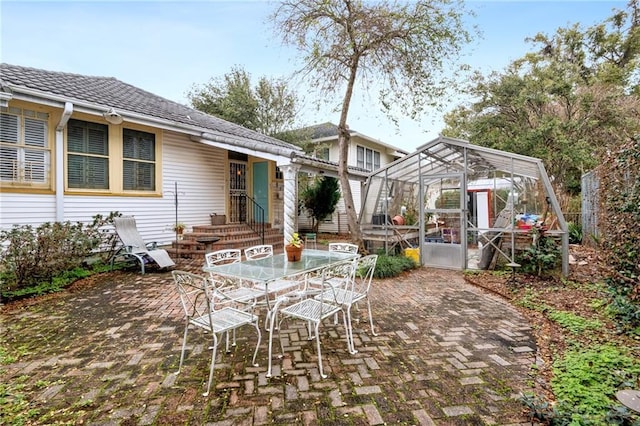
[{"x": 165, "y": 47}]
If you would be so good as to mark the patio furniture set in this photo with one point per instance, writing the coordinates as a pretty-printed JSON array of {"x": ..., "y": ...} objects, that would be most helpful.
[
  {"x": 237, "y": 291},
  {"x": 322, "y": 284}
]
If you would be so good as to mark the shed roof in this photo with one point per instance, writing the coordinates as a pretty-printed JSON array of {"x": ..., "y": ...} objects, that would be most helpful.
[{"x": 448, "y": 155}]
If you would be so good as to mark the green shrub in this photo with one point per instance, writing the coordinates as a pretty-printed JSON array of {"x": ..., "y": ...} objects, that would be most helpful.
[
  {"x": 575, "y": 233},
  {"x": 541, "y": 257},
  {"x": 45, "y": 259},
  {"x": 392, "y": 266}
]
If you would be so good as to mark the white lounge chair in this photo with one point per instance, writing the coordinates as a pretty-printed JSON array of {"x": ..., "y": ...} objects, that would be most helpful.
[{"x": 135, "y": 249}]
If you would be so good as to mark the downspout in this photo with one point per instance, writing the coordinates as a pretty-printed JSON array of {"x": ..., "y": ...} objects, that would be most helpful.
[{"x": 66, "y": 114}]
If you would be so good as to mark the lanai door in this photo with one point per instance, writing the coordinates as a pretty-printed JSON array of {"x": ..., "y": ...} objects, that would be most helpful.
[{"x": 444, "y": 205}]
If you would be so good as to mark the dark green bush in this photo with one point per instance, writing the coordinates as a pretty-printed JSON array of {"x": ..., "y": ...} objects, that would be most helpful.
[
  {"x": 575, "y": 233},
  {"x": 392, "y": 266},
  {"x": 541, "y": 257},
  {"x": 41, "y": 260}
]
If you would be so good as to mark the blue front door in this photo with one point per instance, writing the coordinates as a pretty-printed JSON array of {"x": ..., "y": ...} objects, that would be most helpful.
[{"x": 261, "y": 190}]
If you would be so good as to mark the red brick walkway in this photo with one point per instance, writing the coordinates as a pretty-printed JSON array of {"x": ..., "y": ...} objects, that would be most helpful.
[{"x": 105, "y": 353}]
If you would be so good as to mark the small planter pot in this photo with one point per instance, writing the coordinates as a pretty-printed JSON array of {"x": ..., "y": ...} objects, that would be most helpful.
[{"x": 293, "y": 253}]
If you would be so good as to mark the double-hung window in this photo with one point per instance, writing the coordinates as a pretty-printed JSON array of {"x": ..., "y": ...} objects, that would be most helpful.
[
  {"x": 323, "y": 153},
  {"x": 25, "y": 154},
  {"x": 139, "y": 160},
  {"x": 87, "y": 155},
  {"x": 367, "y": 158}
]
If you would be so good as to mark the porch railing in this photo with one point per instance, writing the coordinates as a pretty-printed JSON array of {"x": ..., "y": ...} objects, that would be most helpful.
[
  {"x": 246, "y": 209},
  {"x": 255, "y": 217}
]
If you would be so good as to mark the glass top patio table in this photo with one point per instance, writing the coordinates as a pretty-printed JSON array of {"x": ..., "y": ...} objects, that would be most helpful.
[{"x": 278, "y": 267}]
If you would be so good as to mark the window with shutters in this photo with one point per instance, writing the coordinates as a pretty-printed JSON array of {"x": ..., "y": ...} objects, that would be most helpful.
[
  {"x": 87, "y": 155},
  {"x": 367, "y": 158},
  {"x": 25, "y": 154},
  {"x": 139, "y": 160}
]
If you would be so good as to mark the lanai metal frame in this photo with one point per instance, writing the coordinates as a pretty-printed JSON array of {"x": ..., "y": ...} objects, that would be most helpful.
[{"x": 409, "y": 186}]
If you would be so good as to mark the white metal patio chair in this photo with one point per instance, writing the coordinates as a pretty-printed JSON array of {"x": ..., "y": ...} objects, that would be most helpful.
[
  {"x": 258, "y": 251},
  {"x": 206, "y": 309},
  {"x": 272, "y": 289},
  {"x": 134, "y": 248},
  {"x": 234, "y": 289},
  {"x": 314, "y": 281},
  {"x": 246, "y": 297},
  {"x": 343, "y": 247},
  {"x": 315, "y": 310},
  {"x": 350, "y": 295}
]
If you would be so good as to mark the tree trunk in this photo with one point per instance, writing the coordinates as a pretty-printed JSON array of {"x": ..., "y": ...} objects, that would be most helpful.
[
  {"x": 343, "y": 149},
  {"x": 347, "y": 196}
]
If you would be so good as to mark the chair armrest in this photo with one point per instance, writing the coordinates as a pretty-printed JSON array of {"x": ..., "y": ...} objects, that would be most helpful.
[
  {"x": 152, "y": 245},
  {"x": 126, "y": 249}
]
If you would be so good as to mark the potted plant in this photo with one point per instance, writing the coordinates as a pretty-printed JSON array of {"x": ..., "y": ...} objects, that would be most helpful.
[
  {"x": 179, "y": 228},
  {"x": 294, "y": 248}
]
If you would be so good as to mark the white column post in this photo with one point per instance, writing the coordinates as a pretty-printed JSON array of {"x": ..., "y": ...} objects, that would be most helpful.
[{"x": 290, "y": 200}]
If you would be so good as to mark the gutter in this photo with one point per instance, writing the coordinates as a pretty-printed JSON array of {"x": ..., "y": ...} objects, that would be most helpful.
[
  {"x": 64, "y": 119},
  {"x": 278, "y": 154}
]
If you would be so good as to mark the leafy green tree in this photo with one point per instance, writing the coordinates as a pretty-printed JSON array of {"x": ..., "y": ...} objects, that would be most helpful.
[
  {"x": 320, "y": 199},
  {"x": 271, "y": 107},
  {"x": 574, "y": 96},
  {"x": 405, "y": 51}
]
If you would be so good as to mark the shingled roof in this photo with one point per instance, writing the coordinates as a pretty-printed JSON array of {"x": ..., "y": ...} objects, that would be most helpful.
[
  {"x": 328, "y": 131},
  {"x": 104, "y": 93}
]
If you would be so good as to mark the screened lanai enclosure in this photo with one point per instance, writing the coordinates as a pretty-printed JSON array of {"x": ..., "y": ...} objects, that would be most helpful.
[{"x": 452, "y": 204}]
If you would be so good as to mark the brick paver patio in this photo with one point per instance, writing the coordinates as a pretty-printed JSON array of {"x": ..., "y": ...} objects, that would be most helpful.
[{"x": 105, "y": 353}]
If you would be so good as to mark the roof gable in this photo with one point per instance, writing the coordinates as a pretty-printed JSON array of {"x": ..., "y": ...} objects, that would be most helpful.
[{"x": 326, "y": 132}]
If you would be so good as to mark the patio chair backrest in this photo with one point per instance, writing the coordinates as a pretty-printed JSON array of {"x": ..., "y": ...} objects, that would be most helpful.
[
  {"x": 365, "y": 269},
  {"x": 259, "y": 251},
  {"x": 222, "y": 257},
  {"x": 342, "y": 272},
  {"x": 192, "y": 289},
  {"x": 127, "y": 230},
  {"x": 343, "y": 247}
]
